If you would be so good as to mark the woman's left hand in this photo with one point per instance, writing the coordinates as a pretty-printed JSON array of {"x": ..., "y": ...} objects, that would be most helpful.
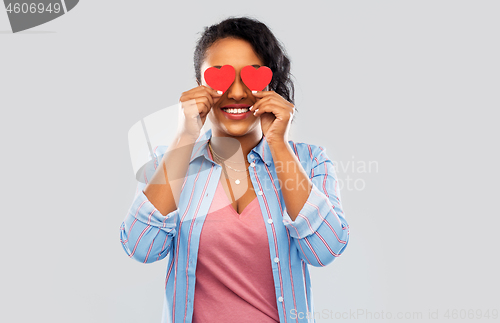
[{"x": 275, "y": 113}]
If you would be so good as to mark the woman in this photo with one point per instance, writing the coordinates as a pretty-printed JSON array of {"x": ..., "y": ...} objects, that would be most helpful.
[{"x": 241, "y": 210}]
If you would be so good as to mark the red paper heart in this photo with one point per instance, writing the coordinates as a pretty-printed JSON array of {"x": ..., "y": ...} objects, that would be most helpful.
[
  {"x": 256, "y": 79},
  {"x": 220, "y": 79}
]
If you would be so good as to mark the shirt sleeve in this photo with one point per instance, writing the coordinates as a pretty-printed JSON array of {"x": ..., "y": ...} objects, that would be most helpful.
[
  {"x": 146, "y": 235},
  {"x": 320, "y": 232}
]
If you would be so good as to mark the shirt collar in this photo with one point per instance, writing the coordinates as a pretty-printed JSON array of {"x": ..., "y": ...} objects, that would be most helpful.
[{"x": 200, "y": 148}]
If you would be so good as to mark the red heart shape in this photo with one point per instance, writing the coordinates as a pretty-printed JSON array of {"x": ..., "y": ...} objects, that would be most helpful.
[
  {"x": 256, "y": 79},
  {"x": 220, "y": 79}
]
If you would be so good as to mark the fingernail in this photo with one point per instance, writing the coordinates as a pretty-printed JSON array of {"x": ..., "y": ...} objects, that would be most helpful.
[
  {"x": 219, "y": 92},
  {"x": 253, "y": 92}
]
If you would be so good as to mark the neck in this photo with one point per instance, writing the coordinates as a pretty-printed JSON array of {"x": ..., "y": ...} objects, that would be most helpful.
[{"x": 228, "y": 146}]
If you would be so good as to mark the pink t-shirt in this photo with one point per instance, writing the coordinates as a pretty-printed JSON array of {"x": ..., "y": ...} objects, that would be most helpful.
[{"x": 234, "y": 279}]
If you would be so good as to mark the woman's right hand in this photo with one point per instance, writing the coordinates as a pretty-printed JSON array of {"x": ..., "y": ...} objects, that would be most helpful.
[{"x": 195, "y": 105}]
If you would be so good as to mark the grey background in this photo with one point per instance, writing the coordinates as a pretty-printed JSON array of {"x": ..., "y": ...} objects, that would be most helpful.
[{"x": 412, "y": 85}]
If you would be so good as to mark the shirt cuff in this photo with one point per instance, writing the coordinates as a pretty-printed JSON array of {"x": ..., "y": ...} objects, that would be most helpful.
[
  {"x": 144, "y": 211},
  {"x": 311, "y": 216}
]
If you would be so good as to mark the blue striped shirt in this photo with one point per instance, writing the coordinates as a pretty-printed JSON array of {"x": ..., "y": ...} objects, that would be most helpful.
[{"x": 318, "y": 235}]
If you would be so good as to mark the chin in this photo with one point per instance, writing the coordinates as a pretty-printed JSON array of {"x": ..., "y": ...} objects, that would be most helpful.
[
  {"x": 234, "y": 128},
  {"x": 237, "y": 130}
]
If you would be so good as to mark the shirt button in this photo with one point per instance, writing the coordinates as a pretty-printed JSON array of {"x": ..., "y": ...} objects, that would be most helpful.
[
  {"x": 276, "y": 260},
  {"x": 252, "y": 164},
  {"x": 260, "y": 193},
  {"x": 280, "y": 299},
  {"x": 269, "y": 221},
  {"x": 251, "y": 155}
]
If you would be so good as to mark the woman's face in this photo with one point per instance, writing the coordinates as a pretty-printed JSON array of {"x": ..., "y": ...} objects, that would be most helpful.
[{"x": 238, "y": 53}]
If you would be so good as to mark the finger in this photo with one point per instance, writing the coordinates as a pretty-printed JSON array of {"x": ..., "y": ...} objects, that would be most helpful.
[
  {"x": 262, "y": 93},
  {"x": 212, "y": 92},
  {"x": 189, "y": 109},
  {"x": 260, "y": 103},
  {"x": 197, "y": 95},
  {"x": 207, "y": 102},
  {"x": 190, "y": 99},
  {"x": 209, "y": 97},
  {"x": 270, "y": 100},
  {"x": 207, "y": 91},
  {"x": 194, "y": 107},
  {"x": 279, "y": 111},
  {"x": 268, "y": 108},
  {"x": 202, "y": 89},
  {"x": 203, "y": 109},
  {"x": 272, "y": 94}
]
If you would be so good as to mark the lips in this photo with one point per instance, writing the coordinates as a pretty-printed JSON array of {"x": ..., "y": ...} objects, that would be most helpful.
[
  {"x": 236, "y": 106},
  {"x": 236, "y": 116}
]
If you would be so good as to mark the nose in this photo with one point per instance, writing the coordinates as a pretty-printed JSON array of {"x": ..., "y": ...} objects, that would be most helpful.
[{"x": 237, "y": 90}]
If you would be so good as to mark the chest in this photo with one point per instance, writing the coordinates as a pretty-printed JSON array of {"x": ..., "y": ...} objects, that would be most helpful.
[
  {"x": 201, "y": 185},
  {"x": 238, "y": 195}
]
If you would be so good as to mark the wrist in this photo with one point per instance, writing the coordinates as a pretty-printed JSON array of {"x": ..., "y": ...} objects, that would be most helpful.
[
  {"x": 277, "y": 143},
  {"x": 279, "y": 148},
  {"x": 185, "y": 137}
]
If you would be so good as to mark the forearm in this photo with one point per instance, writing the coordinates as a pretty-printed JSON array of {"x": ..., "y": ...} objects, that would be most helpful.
[
  {"x": 164, "y": 188},
  {"x": 295, "y": 184}
]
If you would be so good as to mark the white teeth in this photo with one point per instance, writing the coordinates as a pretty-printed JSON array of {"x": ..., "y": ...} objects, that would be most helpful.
[{"x": 235, "y": 111}]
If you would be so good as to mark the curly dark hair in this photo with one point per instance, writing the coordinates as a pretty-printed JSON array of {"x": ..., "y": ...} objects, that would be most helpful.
[{"x": 265, "y": 44}]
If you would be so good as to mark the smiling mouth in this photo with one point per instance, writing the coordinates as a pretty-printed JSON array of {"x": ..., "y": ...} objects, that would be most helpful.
[{"x": 236, "y": 108}]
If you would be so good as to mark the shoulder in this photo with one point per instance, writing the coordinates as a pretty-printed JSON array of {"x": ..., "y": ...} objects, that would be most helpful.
[{"x": 306, "y": 151}]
